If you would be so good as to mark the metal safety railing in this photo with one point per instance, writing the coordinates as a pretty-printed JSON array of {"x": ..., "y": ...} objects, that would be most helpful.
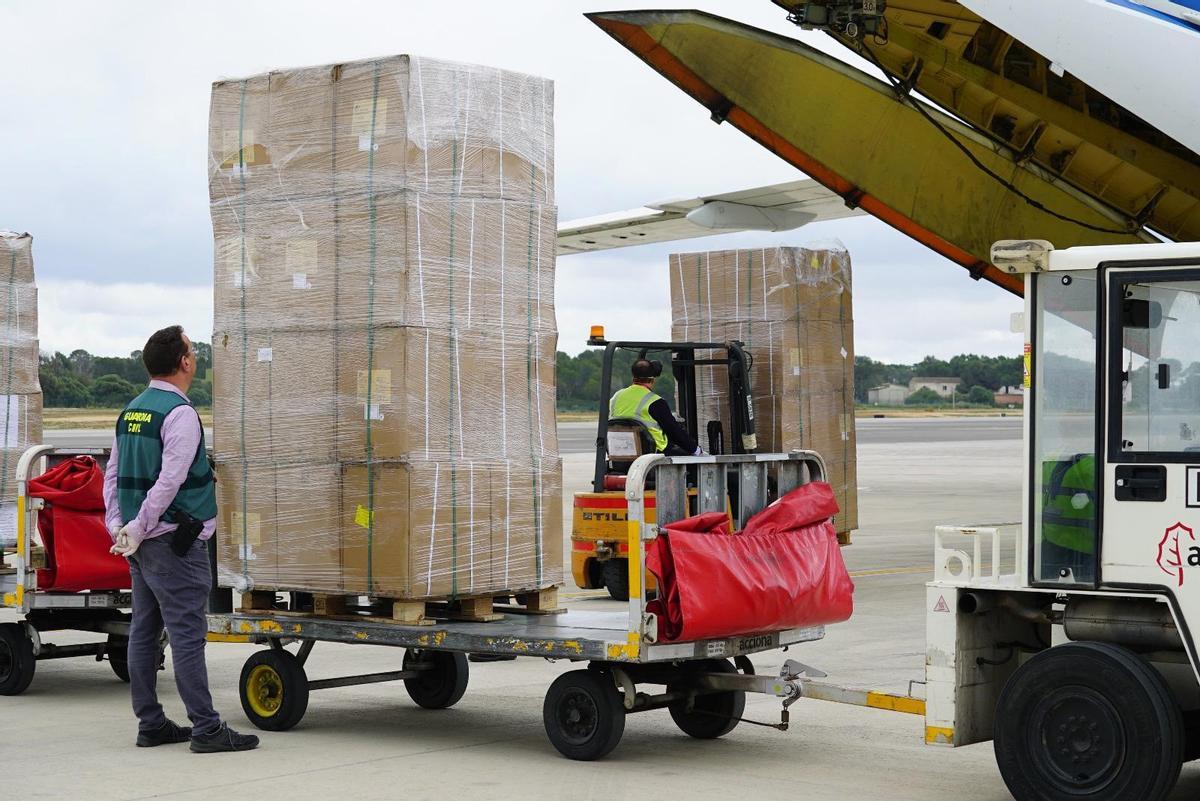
[
  {"x": 19, "y": 588},
  {"x": 741, "y": 485}
]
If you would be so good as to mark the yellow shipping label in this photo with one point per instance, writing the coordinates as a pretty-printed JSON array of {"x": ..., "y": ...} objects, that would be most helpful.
[
  {"x": 232, "y": 142},
  {"x": 379, "y": 387},
  {"x": 370, "y": 118},
  {"x": 245, "y": 527},
  {"x": 301, "y": 256},
  {"x": 363, "y": 517},
  {"x": 1028, "y": 380}
]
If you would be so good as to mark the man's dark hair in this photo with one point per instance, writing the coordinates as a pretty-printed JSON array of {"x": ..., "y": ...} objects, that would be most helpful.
[
  {"x": 644, "y": 369},
  {"x": 164, "y": 351}
]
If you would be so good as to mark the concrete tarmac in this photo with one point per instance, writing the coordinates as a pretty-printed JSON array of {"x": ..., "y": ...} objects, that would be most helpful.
[{"x": 71, "y": 734}]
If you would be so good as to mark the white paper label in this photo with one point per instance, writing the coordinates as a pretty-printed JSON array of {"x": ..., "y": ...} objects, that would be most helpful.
[
  {"x": 373, "y": 412},
  {"x": 300, "y": 281},
  {"x": 265, "y": 354},
  {"x": 246, "y": 553},
  {"x": 365, "y": 144},
  {"x": 622, "y": 443}
]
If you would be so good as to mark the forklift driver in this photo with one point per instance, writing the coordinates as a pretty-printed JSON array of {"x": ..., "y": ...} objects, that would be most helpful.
[{"x": 639, "y": 402}]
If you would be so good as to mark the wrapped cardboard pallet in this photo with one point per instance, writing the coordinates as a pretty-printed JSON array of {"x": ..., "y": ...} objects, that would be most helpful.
[
  {"x": 384, "y": 352},
  {"x": 791, "y": 307},
  {"x": 20, "y": 390}
]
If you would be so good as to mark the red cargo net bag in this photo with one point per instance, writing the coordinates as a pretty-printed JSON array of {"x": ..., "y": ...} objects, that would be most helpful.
[
  {"x": 73, "y": 530},
  {"x": 783, "y": 571}
]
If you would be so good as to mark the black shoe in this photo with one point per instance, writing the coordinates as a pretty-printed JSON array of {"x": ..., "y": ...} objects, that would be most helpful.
[
  {"x": 223, "y": 739},
  {"x": 165, "y": 734}
]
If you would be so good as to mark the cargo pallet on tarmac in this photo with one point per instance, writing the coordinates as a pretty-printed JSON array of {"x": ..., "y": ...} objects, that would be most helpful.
[{"x": 584, "y": 711}]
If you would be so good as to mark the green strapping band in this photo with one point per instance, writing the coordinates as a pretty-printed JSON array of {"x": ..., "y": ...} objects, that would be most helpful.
[
  {"x": 9, "y": 321},
  {"x": 371, "y": 217},
  {"x": 529, "y": 357},
  {"x": 245, "y": 335},
  {"x": 452, "y": 384}
]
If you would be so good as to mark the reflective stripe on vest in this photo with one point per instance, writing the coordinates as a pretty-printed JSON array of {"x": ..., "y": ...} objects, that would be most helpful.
[{"x": 634, "y": 402}]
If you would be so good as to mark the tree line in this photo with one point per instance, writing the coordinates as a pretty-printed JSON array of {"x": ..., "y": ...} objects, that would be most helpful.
[{"x": 80, "y": 380}]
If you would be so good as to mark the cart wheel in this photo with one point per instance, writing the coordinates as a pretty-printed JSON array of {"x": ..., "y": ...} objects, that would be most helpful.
[
  {"x": 274, "y": 690},
  {"x": 711, "y": 716},
  {"x": 17, "y": 662},
  {"x": 584, "y": 715},
  {"x": 616, "y": 578},
  {"x": 440, "y": 686},
  {"x": 1088, "y": 720},
  {"x": 118, "y": 656}
]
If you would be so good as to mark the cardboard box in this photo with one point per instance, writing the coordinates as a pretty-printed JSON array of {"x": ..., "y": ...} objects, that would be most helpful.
[
  {"x": 432, "y": 394},
  {"x": 383, "y": 125},
  {"x": 278, "y": 526},
  {"x": 448, "y": 529},
  {"x": 271, "y": 391},
  {"x": 772, "y": 284},
  {"x": 239, "y": 155},
  {"x": 417, "y": 259}
]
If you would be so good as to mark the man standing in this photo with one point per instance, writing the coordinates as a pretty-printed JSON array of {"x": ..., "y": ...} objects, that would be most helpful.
[
  {"x": 160, "y": 500},
  {"x": 638, "y": 401}
]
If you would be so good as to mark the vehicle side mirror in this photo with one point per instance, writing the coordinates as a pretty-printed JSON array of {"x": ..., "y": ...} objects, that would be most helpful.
[{"x": 1141, "y": 314}]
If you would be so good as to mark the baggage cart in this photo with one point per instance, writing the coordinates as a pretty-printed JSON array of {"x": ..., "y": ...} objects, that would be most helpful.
[{"x": 702, "y": 684}]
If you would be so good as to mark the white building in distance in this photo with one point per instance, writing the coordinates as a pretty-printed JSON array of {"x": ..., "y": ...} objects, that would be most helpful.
[{"x": 944, "y": 387}]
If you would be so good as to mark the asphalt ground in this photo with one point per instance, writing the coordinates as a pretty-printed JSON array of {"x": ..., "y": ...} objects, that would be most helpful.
[{"x": 71, "y": 734}]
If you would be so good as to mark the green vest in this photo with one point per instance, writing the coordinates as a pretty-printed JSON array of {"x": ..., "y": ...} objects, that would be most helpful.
[
  {"x": 1069, "y": 503},
  {"x": 634, "y": 402},
  {"x": 139, "y": 457}
]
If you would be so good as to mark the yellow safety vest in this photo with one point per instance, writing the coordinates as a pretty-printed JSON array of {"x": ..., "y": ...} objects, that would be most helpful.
[{"x": 634, "y": 402}]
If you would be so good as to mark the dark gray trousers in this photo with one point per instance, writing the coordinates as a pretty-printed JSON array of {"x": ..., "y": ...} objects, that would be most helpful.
[{"x": 173, "y": 591}]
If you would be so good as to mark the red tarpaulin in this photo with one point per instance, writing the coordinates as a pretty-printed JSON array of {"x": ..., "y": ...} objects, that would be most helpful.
[
  {"x": 73, "y": 530},
  {"x": 783, "y": 571}
]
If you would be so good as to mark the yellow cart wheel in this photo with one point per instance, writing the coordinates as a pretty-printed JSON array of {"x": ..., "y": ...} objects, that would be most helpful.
[{"x": 274, "y": 690}]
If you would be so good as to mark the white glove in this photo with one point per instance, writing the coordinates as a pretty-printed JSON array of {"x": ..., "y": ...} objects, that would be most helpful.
[
  {"x": 699, "y": 452},
  {"x": 123, "y": 546}
]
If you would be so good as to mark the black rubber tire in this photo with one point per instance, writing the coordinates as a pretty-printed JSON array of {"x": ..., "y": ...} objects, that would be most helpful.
[
  {"x": 280, "y": 686},
  {"x": 117, "y": 649},
  {"x": 584, "y": 715},
  {"x": 441, "y": 686},
  {"x": 616, "y": 578},
  {"x": 17, "y": 663},
  {"x": 1088, "y": 720},
  {"x": 713, "y": 715}
]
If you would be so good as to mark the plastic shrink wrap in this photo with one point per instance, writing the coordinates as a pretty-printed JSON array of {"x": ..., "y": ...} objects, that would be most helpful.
[{"x": 384, "y": 352}]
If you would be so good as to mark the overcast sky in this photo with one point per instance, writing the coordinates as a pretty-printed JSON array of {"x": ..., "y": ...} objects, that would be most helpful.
[{"x": 103, "y": 137}]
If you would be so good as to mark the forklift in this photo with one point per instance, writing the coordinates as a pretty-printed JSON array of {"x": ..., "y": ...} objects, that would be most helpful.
[
  {"x": 598, "y": 527},
  {"x": 1072, "y": 643}
]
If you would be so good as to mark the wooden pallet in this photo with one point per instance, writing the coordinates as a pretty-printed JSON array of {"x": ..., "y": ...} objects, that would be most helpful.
[{"x": 474, "y": 609}]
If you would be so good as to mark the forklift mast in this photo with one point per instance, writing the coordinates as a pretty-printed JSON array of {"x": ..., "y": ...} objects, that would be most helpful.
[{"x": 683, "y": 364}]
